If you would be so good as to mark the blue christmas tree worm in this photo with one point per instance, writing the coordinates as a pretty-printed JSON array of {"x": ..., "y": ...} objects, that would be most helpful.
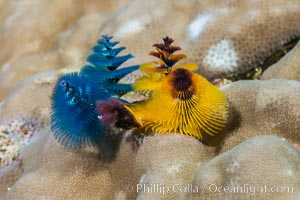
[{"x": 74, "y": 120}]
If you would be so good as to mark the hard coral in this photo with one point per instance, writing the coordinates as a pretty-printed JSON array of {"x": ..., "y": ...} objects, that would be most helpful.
[
  {"x": 41, "y": 36},
  {"x": 240, "y": 173},
  {"x": 173, "y": 165},
  {"x": 222, "y": 37},
  {"x": 286, "y": 68},
  {"x": 270, "y": 107},
  {"x": 21, "y": 121},
  {"x": 50, "y": 171},
  {"x": 244, "y": 36},
  {"x": 9, "y": 174},
  {"x": 256, "y": 107}
]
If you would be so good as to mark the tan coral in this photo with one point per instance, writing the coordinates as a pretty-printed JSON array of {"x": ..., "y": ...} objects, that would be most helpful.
[
  {"x": 75, "y": 43},
  {"x": 21, "y": 68},
  {"x": 263, "y": 167},
  {"x": 34, "y": 26},
  {"x": 71, "y": 175},
  {"x": 71, "y": 49},
  {"x": 141, "y": 23},
  {"x": 47, "y": 35},
  {"x": 244, "y": 36},
  {"x": 23, "y": 113},
  {"x": 287, "y": 68},
  {"x": 29, "y": 99},
  {"x": 9, "y": 174},
  {"x": 262, "y": 107},
  {"x": 174, "y": 162},
  {"x": 123, "y": 171},
  {"x": 256, "y": 107},
  {"x": 222, "y": 37},
  {"x": 29, "y": 24}
]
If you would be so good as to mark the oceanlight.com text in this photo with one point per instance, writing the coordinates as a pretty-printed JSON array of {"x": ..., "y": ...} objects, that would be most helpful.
[{"x": 212, "y": 188}]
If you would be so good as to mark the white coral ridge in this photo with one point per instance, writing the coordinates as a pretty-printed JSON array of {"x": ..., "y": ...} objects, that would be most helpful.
[{"x": 222, "y": 56}]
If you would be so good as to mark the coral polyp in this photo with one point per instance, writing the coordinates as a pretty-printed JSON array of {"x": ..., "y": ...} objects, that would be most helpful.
[{"x": 74, "y": 120}]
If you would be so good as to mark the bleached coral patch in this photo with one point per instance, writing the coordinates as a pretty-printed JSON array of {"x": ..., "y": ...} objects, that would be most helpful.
[
  {"x": 130, "y": 27},
  {"x": 276, "y": 10},
  {"x": 197, "y": 25},
  {"x": 252, "y": 14},
  {"x": 222, "y": 55}
]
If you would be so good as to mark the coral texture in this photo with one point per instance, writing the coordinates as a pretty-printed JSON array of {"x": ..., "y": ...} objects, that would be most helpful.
[
  {"x": 52, "y": 34},
  {"x": 179, "y": 166},
  {"x": 227, "y": 176},
  {"x": 43, "y": 40},
  {"x": 287, "y": 68},
  {"x": 223, "y": 38},
  {"x": 9, "y": 174},
  {"x": 262, "y": 107},
  {"x": 45, "y": 176}
]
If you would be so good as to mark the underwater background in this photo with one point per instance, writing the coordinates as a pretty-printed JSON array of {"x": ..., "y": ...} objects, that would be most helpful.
[{"x": 247, "y": 49}]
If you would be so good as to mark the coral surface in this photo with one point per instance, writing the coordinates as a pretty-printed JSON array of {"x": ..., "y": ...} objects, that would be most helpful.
[
  {"x": 222, "y": 37},
  {"x": 256, "y": 156},
  {"x": 287, "y": 68}
]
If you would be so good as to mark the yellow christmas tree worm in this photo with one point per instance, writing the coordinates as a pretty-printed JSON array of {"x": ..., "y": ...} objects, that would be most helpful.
[{"x": 182, "y": 102}]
